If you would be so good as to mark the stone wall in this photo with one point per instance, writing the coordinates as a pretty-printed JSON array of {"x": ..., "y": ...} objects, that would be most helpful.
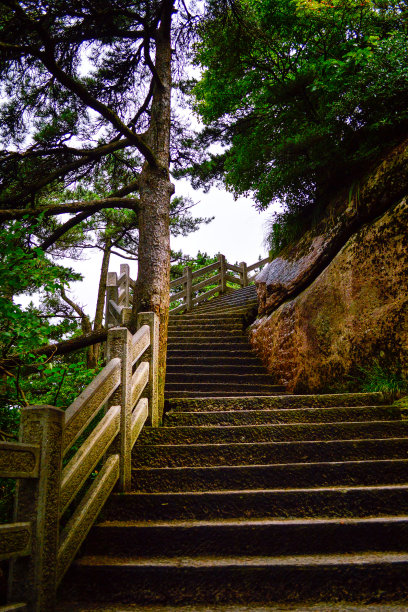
[{"x": 321, "y": 323}]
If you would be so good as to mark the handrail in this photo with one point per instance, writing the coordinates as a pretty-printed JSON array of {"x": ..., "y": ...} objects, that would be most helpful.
[
  {"x": 194, "y": 293},
  {"x": 87, "y": 405},
  {"x": 98, "y": 432},
  {"x": 189, "y": 290},
  {"x": 258, "y": 264}
]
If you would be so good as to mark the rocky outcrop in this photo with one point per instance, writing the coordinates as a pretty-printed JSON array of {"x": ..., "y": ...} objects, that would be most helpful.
[
  {"x": 301, "y": 263},
  {"x": 330, "y": 310}
]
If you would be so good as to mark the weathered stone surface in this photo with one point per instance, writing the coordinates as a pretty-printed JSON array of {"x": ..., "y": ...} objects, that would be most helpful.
[
  {"x": 212, "y": 404},
  {"x": 355, "y": 312},
  {"x": 19, "y": 460},
  {"x": 15, "y": 540},
  {"x": 301, "y": 263},
  {"x": 249, "y": 522}
]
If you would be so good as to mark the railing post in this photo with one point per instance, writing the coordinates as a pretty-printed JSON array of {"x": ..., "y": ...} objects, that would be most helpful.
[
  {"x": 124, "y": 269},
  {"x": 120, "y": 345},
  {"x": 111, "y": 294},
  {"x": 33, "y": 579},
  {"x": 126, "y": 316},
  {"x": 243, "y": 274},
  {"x": 223, "y": 272},
  {"x": 152, "y": 354},
  {"x": 188, "y": 284}
]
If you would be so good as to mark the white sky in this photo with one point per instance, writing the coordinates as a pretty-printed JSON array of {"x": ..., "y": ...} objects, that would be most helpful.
[{"x": 237, "y": 231}]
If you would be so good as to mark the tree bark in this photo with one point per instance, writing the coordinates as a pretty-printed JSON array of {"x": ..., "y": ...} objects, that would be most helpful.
[
  {"x": 100, "y": 303},
  {"x": 86, "y": 327},
  {"x": 152, "y": 287}
]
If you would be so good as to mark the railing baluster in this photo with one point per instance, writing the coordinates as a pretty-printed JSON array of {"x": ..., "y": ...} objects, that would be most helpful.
[
  {"x": 188, "y": 284},
  {"x": 223, "y": 272},
  {"x": 120, "y": 345},
  {"x": 152, "y": 355},
  {"x": 244, "y": 274},
  {"x": 112, "y": 293},
  {"x": 125, "y": 270}
]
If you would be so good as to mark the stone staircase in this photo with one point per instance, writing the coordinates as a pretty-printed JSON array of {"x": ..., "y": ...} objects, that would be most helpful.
[
  {"x": 253, "y": 501},
  {"x": 209, "y": 353}
]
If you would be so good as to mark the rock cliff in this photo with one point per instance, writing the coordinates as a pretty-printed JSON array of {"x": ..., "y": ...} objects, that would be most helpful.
[{"x": 337, "y": 301}]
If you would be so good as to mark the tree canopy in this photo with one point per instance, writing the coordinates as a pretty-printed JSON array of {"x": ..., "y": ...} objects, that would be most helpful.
[
  {"x": 86, "y": 132},
  {"x": 302, "y": 95}
]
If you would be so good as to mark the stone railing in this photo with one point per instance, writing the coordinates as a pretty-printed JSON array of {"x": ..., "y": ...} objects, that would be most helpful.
[
  {"x": 57, "y": 501},
  {"x": 118, "y": 309},
  {"x": 192, "y": 288},
  {"x": 19, "y": 460}
]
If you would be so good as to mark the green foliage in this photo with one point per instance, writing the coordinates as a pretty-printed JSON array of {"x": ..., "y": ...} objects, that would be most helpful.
[
  {"x": 384, "y": 379},
  {"x": 58, "y": 383},
  {"x": 24, "y": 271},
  {"x": 282, "y": 230},
  {"x": 182, "y": 222},
  {"x": 196, "y": 263},
  {"x": 303, "y": 96}
]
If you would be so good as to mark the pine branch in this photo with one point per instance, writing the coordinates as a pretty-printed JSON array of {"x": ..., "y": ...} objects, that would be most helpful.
[{"x": 71, "y": 207}]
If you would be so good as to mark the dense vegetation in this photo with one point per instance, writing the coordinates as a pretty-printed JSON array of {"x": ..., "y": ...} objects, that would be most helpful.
[
  {"x": 301, "y": 95},
  {"x": 85, "y": 133}
]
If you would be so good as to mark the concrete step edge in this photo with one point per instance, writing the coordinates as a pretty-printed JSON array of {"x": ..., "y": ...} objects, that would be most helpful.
[
  {"x": 289, "y": 560},
  {"x": 217, "y": 522}
]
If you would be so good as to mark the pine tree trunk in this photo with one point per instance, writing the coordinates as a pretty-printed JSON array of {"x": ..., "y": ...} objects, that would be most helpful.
[
  {"x": 152, "y": 287},
  {"x": 100, "y": 303}
]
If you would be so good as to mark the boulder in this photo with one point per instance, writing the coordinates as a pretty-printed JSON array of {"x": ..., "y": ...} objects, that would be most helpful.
[
  {"x": 301, "y": 263},
  {"x": 349, "y": 314}
]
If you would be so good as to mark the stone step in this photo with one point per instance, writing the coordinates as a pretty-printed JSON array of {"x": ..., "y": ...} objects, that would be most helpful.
[
  {"x": 282, "y": 476},
  {"x": 233, "y": 325},
  {"x": 92, "y": 606},
  {"x": 274, "y": 433},
  {"x": 238, "y": 309},
  {"x": 222, "y": 345},
  {"x": 329, "y": 502},
  {"x": 204, "y": 316},
  {"x": 232, "y": 306},
  {"x": 225, "y": 323},
  {"x": 217, "y": 376},
  {"x": 225, "y": 301},
  {"x": 247, "y": 537},
  {"x": 202, "y": 340},
  {"x": 205, "y": 332},
  {"x": 281, "y": 401},
  {"x": 197, "y": 367},
  {"x": 242, "y": 392},
  {"x": 287, "y": 415},
  {"x": 194, "y": 388},
  {"x": 260, "y": 453},
  {"x": 374, "y": 577},
  {"x": 211, "y": 356},
  {"x": 231, "y": 297}
]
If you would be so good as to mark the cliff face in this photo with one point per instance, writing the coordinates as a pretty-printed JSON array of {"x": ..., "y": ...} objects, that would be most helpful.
[{"x": 337, "y": 301}]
